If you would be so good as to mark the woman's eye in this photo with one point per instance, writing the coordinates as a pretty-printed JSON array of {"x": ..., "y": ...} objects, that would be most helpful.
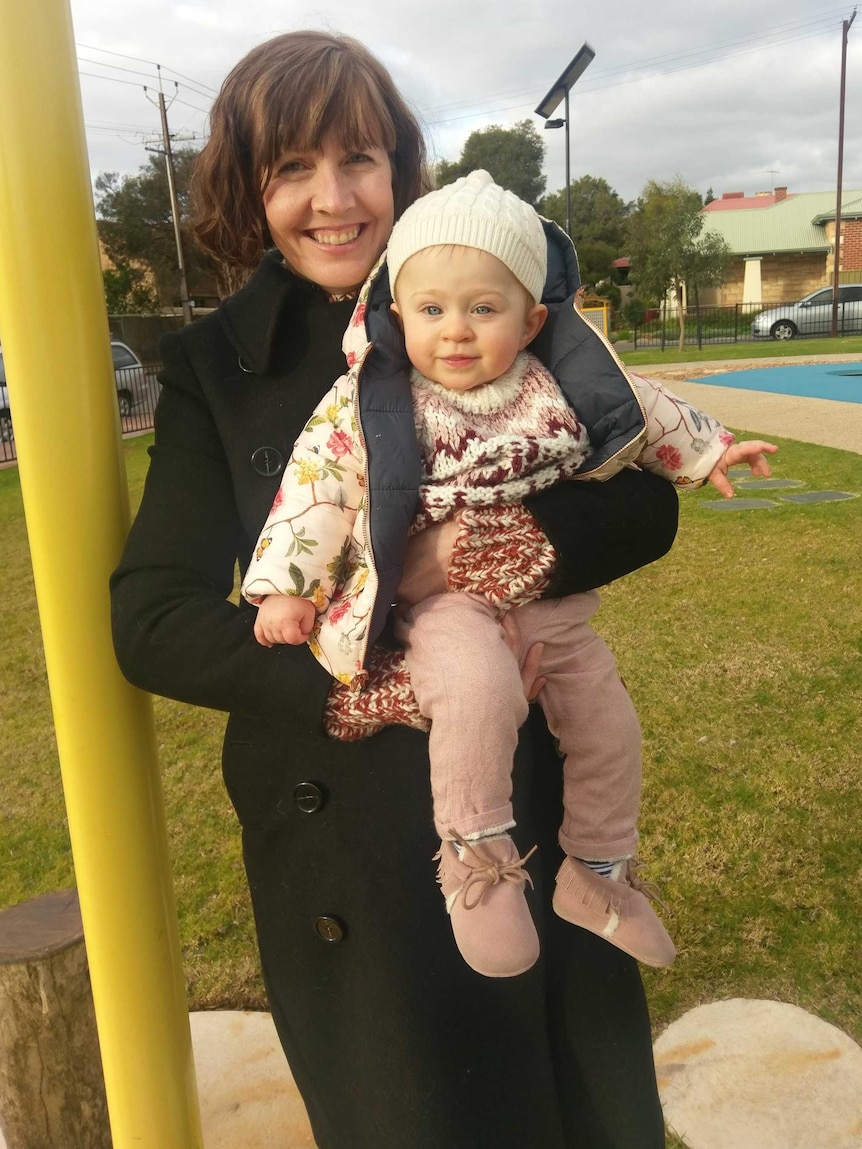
[
  {"x": 359, "y": 158},
  {"x": 289, "y": 167}
]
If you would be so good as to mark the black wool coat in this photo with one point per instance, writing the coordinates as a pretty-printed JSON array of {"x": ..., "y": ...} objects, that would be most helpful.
[{"x": 394, "y": 1042}]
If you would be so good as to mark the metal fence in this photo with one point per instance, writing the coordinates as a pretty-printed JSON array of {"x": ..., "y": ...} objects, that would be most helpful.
[
  {"x": 705, "y": 326},
  {"x": 137, "y": 394}
]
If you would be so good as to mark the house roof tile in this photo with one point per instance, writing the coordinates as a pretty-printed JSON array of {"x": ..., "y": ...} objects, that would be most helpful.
[
  {"x": 793, "y": 224},
  {"x": 742, "y": 202}
]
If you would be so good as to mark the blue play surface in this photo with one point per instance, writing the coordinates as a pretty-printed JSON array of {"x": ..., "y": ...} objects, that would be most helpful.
[{"x": 841, "y": 381}]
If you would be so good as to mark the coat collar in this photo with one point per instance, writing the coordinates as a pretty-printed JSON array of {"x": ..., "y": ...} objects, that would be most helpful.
[{"x": 251, "y": 317}]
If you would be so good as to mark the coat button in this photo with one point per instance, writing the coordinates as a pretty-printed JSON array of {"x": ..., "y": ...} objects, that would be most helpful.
[
  {"x": 267, "y": 461},
  {"x": 328, "y": 928},
  {"x": 309, "y": 797}
]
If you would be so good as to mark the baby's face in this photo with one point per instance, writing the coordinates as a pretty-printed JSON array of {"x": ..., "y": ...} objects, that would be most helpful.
[{"x": 464, "y": 314}]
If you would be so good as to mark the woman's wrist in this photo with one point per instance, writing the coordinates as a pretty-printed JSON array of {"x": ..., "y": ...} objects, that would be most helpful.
[{"x": 602, "y": 531}]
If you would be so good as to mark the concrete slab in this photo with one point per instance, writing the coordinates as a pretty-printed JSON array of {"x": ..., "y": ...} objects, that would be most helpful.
[
  {"x": 767, "y": 484},
  {"x": 820, "y": 497},
  {"x": 738, "y": 504},
  {"x": 744, "y": 1074}
]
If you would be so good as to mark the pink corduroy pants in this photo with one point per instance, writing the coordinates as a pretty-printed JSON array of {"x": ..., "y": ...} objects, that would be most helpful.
[{"x": 467, "y": 681}]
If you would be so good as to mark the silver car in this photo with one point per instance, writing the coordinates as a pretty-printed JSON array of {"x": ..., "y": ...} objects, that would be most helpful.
[
  {"x": 812, "y": 315},
  {"x": 134, "y": 386}
]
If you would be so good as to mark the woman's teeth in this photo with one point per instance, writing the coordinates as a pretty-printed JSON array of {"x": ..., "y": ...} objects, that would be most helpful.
[{"x": 334, "y": 238}]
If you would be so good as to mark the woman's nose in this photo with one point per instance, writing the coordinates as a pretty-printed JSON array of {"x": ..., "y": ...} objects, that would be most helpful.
[{"x": 332, "y": 192}]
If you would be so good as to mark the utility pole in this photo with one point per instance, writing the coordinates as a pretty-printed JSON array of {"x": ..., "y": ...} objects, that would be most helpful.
[
  {"x": 175, "y": 207},
  {"x": 845, "y": 26}
]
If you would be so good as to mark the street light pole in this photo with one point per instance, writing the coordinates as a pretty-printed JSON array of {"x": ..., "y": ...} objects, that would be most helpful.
[
  {"x": 845, "y": 26},
  {"x": 560, "y": 91},
  {"x": 568, "y": 175}
]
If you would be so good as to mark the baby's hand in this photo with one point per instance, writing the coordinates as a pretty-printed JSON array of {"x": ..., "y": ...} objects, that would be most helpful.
[
  {"x": 284, "y": 619},
  {"x": 749, "y": 451}
]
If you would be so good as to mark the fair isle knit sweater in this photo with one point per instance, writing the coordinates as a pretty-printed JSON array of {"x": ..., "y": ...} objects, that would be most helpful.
[{"x": 495, "y": 444}]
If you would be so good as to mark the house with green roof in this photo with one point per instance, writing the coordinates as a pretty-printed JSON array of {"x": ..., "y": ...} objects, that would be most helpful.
[{"x": 783, "y": 247}]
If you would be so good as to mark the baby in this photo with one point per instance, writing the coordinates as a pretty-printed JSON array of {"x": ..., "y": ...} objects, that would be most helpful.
[{"x": 467, "y": 267}]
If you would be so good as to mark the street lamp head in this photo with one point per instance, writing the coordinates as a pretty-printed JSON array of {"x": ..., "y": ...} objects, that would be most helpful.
[
  {"x": 555, "y": 124},
  {"x": 576, "y": 68}
]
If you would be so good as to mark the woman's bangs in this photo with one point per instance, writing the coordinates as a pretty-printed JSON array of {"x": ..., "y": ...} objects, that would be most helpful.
[
  {"x": 349, "y": 106},
  {"x": 358, "y": 116}
]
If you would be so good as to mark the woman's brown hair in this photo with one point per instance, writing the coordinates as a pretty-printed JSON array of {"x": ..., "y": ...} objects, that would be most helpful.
[{"x": 286, "y": 95}]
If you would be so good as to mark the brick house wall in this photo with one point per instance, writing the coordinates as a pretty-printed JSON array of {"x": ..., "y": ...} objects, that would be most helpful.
[
  {"x": 851, "y": 245},
  {"x": 784, "y": 278}
]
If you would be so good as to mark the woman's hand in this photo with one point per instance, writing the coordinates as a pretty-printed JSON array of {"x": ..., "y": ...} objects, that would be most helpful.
[
  {"x": 530, "y": 679},
  {"x": 427, "y": 563}
]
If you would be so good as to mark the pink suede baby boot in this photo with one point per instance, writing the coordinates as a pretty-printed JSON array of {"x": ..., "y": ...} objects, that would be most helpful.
[{"x": 484, "y": 892}]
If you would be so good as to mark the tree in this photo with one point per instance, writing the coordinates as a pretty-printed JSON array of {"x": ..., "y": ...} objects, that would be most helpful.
[
  {"x": 666, "y": 248},
  {"x": 594, "y": 261},
  {"x": 598, "y": 213},
  {"x": 136, "y": 228},
  {"x": 127, "y": 291},
  {"x": 513, "y": 156}
]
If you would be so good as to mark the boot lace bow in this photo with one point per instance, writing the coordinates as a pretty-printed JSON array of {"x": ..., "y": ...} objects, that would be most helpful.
[{"x": 485, "y": 873}]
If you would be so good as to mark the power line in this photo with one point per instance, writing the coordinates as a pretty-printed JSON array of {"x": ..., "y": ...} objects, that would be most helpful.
[
  {"x": 599, "y": 82},
  {"x": 152, "y": 64}
]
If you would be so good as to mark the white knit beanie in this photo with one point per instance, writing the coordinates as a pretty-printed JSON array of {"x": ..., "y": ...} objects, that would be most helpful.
[{"x": 474, "y": 212}]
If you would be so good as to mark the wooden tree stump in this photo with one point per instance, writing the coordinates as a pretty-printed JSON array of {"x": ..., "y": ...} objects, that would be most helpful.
[{"x": 52, "y": 1094}]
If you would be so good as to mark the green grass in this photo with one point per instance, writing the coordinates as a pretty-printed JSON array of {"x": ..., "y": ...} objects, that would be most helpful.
[
  {"x": 766, "y": 349},
  {"x": 743, "y": 653}
]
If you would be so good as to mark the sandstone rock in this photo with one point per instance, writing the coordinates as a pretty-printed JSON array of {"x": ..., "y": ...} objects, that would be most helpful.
[{"x": 743, "y": 1074}]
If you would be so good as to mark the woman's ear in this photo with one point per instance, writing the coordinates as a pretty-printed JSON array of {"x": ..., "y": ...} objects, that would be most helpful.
[{"x": 534, "y": 321}]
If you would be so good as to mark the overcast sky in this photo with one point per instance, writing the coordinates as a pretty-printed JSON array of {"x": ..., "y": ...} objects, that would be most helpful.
[{"x": 736, "y": 96}]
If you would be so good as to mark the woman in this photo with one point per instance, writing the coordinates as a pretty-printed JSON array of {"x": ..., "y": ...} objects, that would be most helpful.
[{"x": 313, "y": 151}]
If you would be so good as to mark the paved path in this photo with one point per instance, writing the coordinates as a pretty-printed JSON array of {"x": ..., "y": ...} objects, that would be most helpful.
[{"x": 717, "y": 388}]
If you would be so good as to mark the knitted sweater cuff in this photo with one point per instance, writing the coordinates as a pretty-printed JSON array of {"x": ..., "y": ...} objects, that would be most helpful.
[
  {"x": 386, "y": 699},
  {"x": 502, "y": 554}
]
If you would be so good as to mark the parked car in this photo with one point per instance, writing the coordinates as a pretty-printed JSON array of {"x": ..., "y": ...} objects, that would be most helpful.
[
  {"x": 133, "y": 382},
  {"x": 812, "y": 315},
  {"x": 5, "y": 418},
  {"x": 131, "y": 377}
]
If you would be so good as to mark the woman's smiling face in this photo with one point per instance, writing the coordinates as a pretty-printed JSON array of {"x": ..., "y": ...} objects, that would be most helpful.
[{"x": 330, "y": 212}]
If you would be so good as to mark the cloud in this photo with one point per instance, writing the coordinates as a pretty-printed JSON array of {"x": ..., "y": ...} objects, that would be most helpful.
[{"x": 740, "y": 99}]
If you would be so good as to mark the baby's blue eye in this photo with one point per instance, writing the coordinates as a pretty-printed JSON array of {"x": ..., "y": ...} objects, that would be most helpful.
[
  {"x": 483, "y": 309},
  {"x": 432, "y": 309}
]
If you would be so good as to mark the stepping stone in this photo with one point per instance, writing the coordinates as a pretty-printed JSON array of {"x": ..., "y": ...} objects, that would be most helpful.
[
  {"x": 820, "y": 497},
  {"x": 738, "y": 504},
  {"x": 746, "y": 1074},
  {"x": 764, "y": 484},
  {"x": 248, "y": 1098}
]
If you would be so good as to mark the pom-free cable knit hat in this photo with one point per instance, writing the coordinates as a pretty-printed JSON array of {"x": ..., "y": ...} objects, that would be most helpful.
[{"x": 474, "y": 212}]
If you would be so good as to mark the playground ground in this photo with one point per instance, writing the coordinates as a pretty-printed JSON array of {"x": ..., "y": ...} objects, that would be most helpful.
[{"x": 815, "y": 402}]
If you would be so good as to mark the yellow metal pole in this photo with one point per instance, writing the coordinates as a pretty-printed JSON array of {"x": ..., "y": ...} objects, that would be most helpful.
[{"x": 61, "y": 385}]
